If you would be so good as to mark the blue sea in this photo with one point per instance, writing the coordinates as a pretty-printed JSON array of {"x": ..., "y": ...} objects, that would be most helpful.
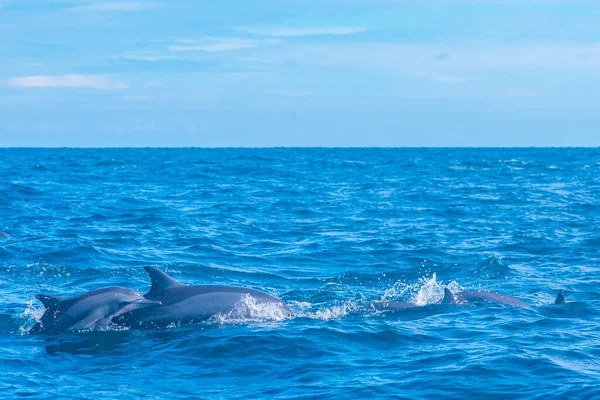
[{"x": 329, "y": 231}]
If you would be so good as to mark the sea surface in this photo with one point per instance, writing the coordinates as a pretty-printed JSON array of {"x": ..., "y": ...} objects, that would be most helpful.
[{"x": 329, "y": 231}]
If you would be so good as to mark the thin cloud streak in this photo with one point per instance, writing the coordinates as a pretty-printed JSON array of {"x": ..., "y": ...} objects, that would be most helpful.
[
  {"x": 67, "y": 81},
  {"x": 291, "y": 32},
  {"x": 216, "y": 47},
  {"x": 118, "y": 6},
  {"x": 217, "y": 44}
]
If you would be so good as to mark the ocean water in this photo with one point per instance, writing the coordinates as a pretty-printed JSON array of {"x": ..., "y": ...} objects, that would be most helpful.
[{"x": 329, "y": 231}]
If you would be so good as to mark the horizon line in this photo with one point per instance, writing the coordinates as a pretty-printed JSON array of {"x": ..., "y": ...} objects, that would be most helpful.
[{"x": 294, "y": 147}]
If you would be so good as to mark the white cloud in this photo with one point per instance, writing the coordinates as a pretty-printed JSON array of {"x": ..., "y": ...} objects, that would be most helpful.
[
  {"x": 67, "y": 81},
  {"x": 115, "y": 6},
  {"x": 147, "y": 57},
  {"x": 210, "y": 44},
  {"x": 289, "y": 32}
]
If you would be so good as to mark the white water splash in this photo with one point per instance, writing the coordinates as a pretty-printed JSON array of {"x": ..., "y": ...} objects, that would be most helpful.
[
  {"x": 427, "y": 290},
  {"x": 247, "y": 309},
  {"x": 29, "y": 317},
  {"x": 431, "y": 291},
  {"x": 397, "y": 291},
  {"x": 334, "y": 312},
  {"x": 320, "y": 311}
]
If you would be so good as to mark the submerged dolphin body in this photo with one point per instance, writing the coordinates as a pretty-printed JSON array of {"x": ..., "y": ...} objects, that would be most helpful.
[
  {"x": 392, "y": 305},
  {"x": 182, "y": 304},
  {"x": 92, "y": 310}
]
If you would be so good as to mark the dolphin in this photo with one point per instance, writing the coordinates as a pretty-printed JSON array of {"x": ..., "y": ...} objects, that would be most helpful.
[
  {"x": 456, "y": 298},
  {"x": 182, "y": 304},
  {"x": 561, "y": 308},
  {"x": 92, "y": 310},
  {"x": 475, "y": 295}
]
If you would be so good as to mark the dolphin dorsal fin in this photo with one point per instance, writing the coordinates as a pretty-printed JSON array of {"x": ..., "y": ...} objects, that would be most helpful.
[
  {"x": 560, "y": 298},
  {"x": 49, "y": 301},
  {"x": 160, "y": 280},
  {"x": 448, "y": 297}
]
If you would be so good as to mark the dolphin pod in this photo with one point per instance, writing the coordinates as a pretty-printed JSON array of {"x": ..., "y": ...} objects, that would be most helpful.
[
  {"x": 170, "y": 302},
  {"x": 182, "y": 304}
]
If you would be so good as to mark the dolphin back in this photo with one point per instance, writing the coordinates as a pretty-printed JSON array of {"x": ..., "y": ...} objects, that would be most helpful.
[
  {"x": 469, "y": 295},
  {"x": 49, "y": 301},
  {"x": 161, "y": 282},
  {"x": 448, "y": 297},
  {"x": 560, "y": 298}
]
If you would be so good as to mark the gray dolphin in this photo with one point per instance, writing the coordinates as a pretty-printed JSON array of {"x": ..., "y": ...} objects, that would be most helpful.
[
  {"x": 457, "y": 298},
  {"x": 92, "y": 310},
  {"x": 474, "y": 295},
  {"x": 182, "y": 304},
  {"x": 567, "y": 309}
]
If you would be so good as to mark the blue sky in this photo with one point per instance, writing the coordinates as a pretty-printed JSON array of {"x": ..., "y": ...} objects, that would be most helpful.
[{"x": 300, "y": 73}]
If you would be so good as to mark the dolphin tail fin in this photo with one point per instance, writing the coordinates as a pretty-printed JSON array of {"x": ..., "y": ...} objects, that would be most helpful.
[
  {"x": 448, "y": 297},
  {"x": 560, "y": 298},
  {"x": 49, "y": 301},
  {"x": 160, "y": 280}
]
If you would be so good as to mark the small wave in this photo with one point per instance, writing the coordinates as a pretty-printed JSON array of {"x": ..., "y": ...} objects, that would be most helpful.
[
  {"x": 492, "y": 268},
  {"x": 24, "y": 189}
]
